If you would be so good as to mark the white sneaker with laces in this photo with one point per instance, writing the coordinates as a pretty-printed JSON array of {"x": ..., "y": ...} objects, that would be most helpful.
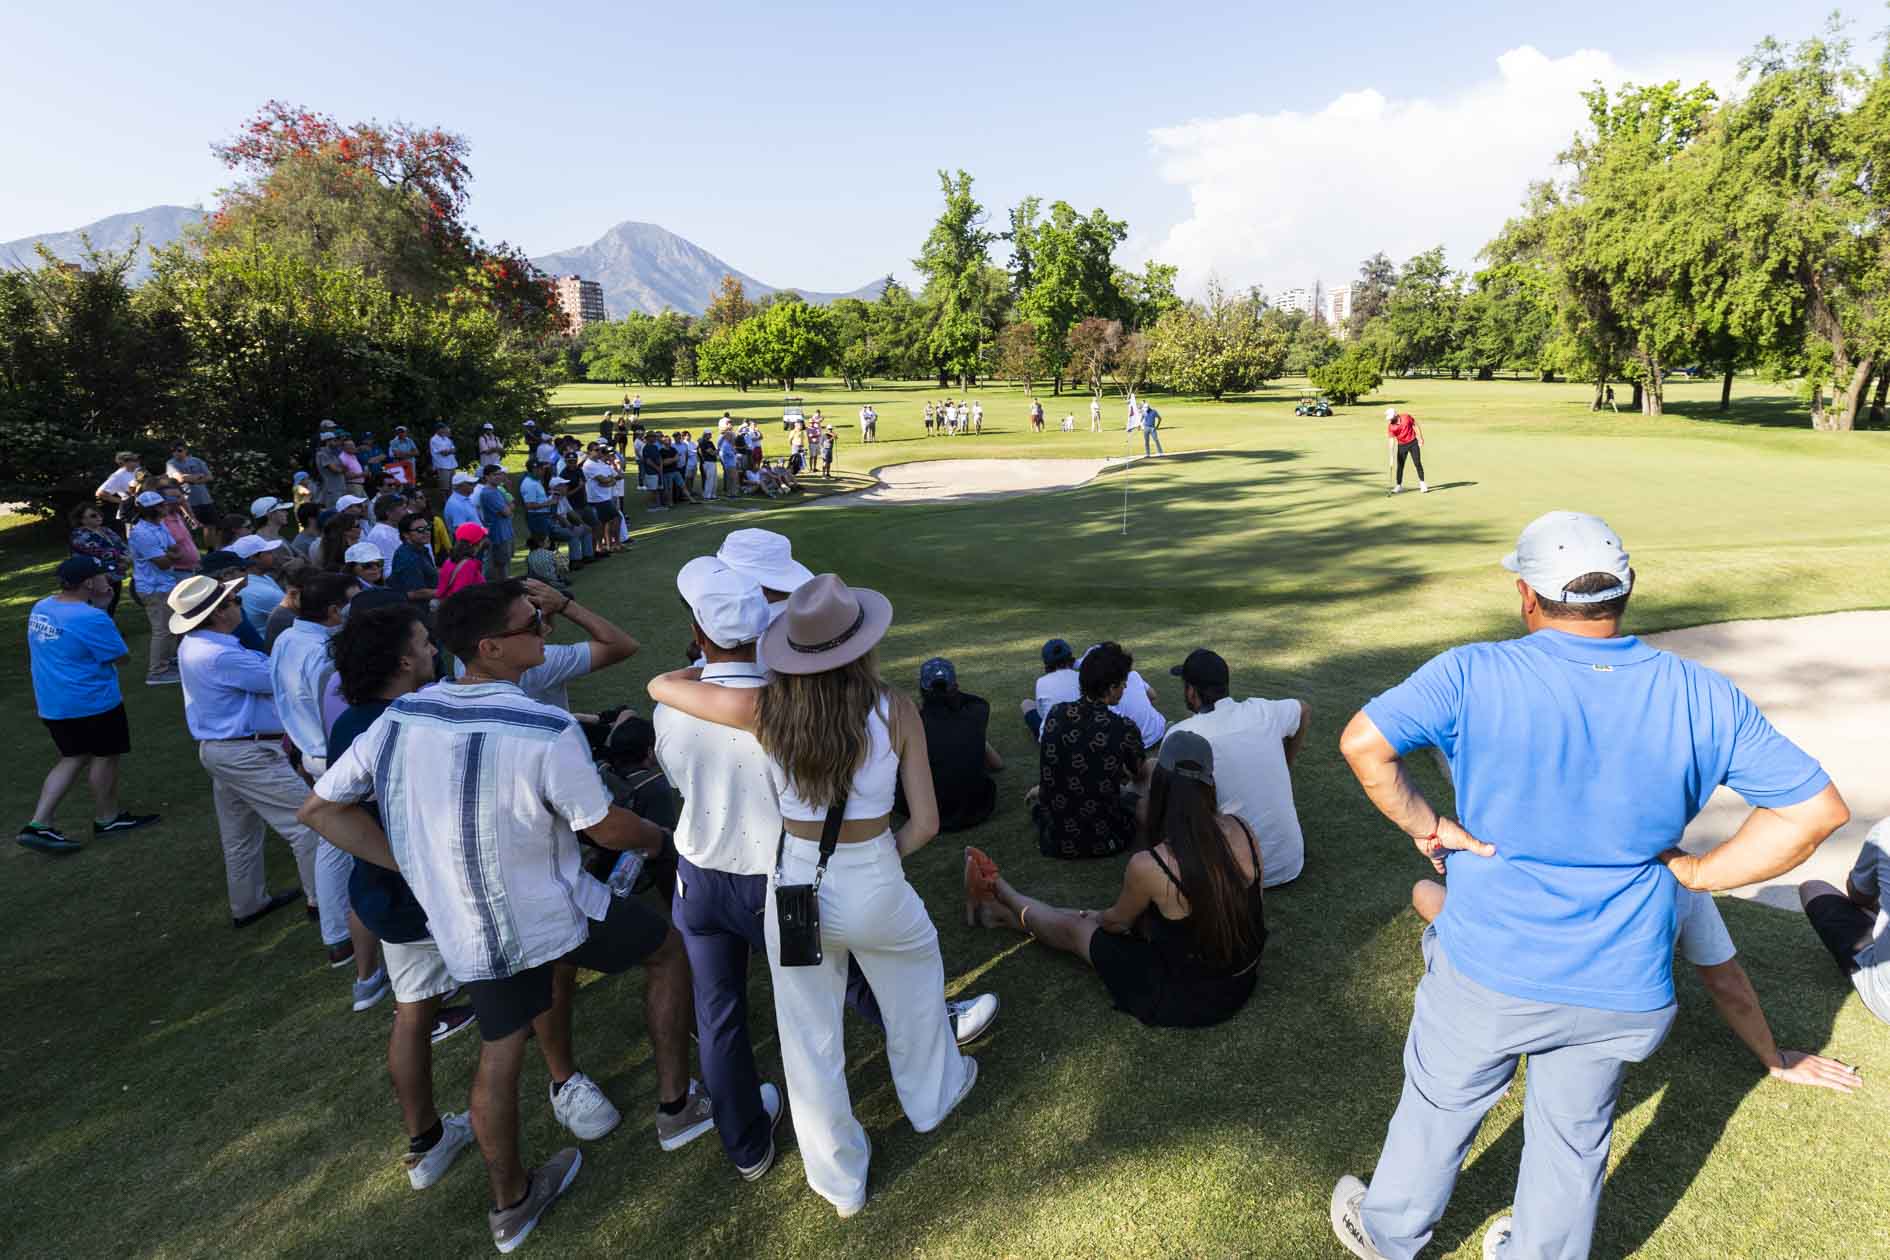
[
  {"x": 581, "y": 1107},
  {"x": 430, "y": 1165},
  {"x": 1422, "y": 488},
  {"x": 1498, "y": 1237},
  {"x": 1347, "y": 1226},
  {"x": 1397, "y": 489},
  {"x": 971, "y": 1017}
]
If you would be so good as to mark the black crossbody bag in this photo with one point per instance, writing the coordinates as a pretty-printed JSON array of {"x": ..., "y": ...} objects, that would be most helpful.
[{"x": 797, "y": 906}]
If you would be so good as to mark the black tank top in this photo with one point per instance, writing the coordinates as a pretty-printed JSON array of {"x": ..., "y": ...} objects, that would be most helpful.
[{"x": 1174, "y": 943}]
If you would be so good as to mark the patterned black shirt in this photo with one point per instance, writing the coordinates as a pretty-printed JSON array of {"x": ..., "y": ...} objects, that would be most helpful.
[{"x": 1086, "y": 753}]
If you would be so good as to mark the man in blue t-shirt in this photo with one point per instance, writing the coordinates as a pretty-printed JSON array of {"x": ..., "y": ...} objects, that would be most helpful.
[
  {"x": 495, "y": 513},
  {"x": 75, "y": 650},
  {"x": 1579, "y": 756}
]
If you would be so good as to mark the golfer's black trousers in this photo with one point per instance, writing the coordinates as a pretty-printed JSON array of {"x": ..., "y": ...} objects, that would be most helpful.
[{"x": 1416, "y": 454}]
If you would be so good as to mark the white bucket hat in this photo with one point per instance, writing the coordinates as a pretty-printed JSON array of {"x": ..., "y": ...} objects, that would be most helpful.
[{"x": 765, "y": 558}]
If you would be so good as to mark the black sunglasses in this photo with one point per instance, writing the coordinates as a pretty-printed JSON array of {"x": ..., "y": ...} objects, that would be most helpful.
[{"x": 535, "y": 626}]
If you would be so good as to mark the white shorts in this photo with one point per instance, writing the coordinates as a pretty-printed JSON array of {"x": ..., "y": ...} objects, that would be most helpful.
[
  {"x": 652, "y": 482},
  {"x": 416, "y": 970}
]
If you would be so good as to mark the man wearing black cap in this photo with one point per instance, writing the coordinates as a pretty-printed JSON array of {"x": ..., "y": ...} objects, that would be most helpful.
[
  {"x": 1057, "y": 685},
  {"x": 1254, "y": 742},
  {"x": 75, "y": 650}
]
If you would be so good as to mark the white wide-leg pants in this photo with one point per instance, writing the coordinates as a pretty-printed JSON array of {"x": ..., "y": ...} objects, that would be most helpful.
[{"x": 869, "y": 912}]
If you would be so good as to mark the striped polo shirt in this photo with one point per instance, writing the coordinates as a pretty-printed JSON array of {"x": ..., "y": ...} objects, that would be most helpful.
[{"x": 482, "y": 791}]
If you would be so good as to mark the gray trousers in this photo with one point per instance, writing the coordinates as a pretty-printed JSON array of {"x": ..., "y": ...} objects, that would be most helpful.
[
  {"x": 157, "y": 609},
  {"x": 1459, "y": 1059},
  {"x": 251, "y": 784},
  {"x": 498, "y": 564}
]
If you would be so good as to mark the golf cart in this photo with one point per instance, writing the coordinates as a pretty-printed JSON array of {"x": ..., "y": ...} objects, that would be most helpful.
[
  {"x": 791, "y": 413},
  {"x": 1313, "y": 406}
]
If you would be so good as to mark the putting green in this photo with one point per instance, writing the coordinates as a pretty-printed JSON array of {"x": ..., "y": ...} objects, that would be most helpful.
[{"x": 215, "y": 1091}]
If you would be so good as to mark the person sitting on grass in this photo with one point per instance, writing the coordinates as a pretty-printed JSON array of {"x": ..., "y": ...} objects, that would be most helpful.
[
  {"x": 1088, "y": 755},
  {"x": 543, "y": 563},
  {"x": 1853, "y": 923},
  {"x": 380, "y": 656},
  {"x": 1703, "y": 941},
  {"x": 466, "y": 566},
  {"x": 1181, "y": 946},
  {"x": 1056, "y": 685},
  {"x": 962, "y": 760}
]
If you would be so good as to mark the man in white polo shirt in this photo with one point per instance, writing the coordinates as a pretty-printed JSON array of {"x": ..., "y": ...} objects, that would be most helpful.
[
  {"x": 445, "y": 456},
  {"x": 1254, "y": 744}
]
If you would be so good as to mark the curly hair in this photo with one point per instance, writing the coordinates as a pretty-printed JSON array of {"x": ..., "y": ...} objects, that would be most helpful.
[
  {"x": 368, "y": 649},
  {"x": 815, "y": 725}
]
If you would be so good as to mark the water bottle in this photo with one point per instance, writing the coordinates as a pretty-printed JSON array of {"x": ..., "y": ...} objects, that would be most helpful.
[{"x": 623, "y": 876}]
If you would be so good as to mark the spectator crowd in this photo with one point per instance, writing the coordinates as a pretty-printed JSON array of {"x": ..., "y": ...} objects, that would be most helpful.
[{"x": 368, "y": 668}]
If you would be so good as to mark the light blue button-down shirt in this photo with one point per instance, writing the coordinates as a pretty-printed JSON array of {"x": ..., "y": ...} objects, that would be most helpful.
[
  {"x": 299, "y": 667},
  {"x": 227, "y": 690}
]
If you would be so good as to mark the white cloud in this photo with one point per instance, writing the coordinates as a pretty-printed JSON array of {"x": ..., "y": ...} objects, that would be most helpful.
[{"x": 1285, "y": 198}]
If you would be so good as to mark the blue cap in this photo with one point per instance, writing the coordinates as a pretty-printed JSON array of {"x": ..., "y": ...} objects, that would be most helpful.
[
  {"x": 1057, "y": 650},
  {"x": 937, "y": 673}
]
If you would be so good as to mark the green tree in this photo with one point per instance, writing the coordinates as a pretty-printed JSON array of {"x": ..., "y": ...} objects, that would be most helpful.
[
  {"x": 954, "y": 260},
  {"x": 1150, "y": 294},
  {"x": 792, "y": 339},
  {"x": 1071, "y": 276},
  {"x": 728, "y": 306},
  {"x": 1350, "y": 377},
  {"x": 1420, "y": 314},
  {"x": 1019, "y": 353},
  {"x": 1216, "y": 347},
  {"x": 1370, "y": 292}
]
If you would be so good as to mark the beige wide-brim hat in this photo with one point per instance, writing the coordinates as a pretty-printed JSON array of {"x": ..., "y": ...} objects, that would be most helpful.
[
  {"x": 827, "y": 624},
  {"x": 196, "y": 597}
]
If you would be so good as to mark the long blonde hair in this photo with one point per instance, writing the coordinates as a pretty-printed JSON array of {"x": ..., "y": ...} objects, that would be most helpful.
[{"x": 815, "y": 725}]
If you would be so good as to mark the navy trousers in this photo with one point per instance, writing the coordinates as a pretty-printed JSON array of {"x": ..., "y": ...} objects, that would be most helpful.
[{"x": 720, "y": 918}]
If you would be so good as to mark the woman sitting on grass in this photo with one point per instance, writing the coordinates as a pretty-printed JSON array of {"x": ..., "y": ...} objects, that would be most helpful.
[
  {"x": 466, "y": 566},
  {"x": 1181, "y": 946}
]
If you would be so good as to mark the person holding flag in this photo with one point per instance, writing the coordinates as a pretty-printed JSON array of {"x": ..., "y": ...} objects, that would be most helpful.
[{"x": 1407, "y": 439}]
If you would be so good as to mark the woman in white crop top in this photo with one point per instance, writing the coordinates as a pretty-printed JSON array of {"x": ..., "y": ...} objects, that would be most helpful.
[{"x": 835, "y": 728}]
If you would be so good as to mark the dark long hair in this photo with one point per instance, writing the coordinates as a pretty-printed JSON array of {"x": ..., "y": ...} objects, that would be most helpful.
[{"x": 1189, "y": 817}]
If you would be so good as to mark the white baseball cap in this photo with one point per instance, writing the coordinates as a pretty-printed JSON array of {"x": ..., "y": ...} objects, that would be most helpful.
[
  {"x": 250, "y": 544},
  {"x": 364, "y": 553},
  {"x": 265, "y": 505},
  {"x": 729, "y": 607},
  {"x": 465, "y": 479},
  {"x": 1391, "y": 413},
  {"x": 560, "y": 481},
  {"x": 150, "y": 498},
  {"x": 1558, "y": 547},
  {"x": 347, "y": 501},
  {"x": 765, "y": 558}
]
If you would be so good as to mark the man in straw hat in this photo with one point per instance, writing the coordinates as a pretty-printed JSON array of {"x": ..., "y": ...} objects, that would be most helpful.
[
  {"x": 1579, "y": 755},
  {"x": 482, "y": 792},
  {"x": 229, "y": 706}
]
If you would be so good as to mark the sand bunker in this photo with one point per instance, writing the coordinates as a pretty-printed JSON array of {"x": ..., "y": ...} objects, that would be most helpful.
[
  {"x": 960, "y": 480},
  {"x": 1825, "y": 683}
]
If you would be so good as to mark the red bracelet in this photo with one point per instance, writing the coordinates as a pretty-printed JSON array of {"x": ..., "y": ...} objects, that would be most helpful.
[{"x": 1435, "y": 828}]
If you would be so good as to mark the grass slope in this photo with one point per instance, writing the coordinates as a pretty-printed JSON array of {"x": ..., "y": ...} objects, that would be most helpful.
[{"x": 174, "y": 1089}]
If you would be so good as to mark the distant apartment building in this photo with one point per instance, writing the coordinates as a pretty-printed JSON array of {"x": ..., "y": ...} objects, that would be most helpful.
[
  {"x": 1300, "y": 300},
  {"x": 581, "y": 300},
  {"x": 1339, "y": 307}
]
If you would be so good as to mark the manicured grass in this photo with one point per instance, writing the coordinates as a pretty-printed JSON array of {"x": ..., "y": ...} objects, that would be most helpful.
[{"x": 172, "y": 1088}]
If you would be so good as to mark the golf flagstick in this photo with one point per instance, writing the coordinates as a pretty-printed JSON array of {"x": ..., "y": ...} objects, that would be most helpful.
[{"x": 1125, "y": 481}]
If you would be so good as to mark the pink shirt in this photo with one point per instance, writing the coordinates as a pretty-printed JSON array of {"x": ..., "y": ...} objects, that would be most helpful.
[
  {"x": 187, "y": 557},
  {"x": 457, "y": 575}
]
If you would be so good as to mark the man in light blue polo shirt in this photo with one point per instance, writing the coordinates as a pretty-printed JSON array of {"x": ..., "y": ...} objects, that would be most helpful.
[{"x": 1579, "y": 754}]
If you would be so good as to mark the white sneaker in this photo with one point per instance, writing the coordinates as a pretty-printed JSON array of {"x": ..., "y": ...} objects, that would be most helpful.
[
  {"x": 771, "y": 1103},
  {"x": 1397, "y": 489},
  {"x": 1347, "y": 1226},
  {"x": 582, "y": 1108},
  {"x": 1422, "y": 488},
  {"x": 970, "y": 1018},
  {"x": 429, "y": 1166},
  {"x": 1498, "y": 1237}
]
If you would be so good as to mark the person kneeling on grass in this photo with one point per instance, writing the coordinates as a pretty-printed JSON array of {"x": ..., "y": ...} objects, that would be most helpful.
[
  {"x": 483, "y": 792},
  {"x": 1704, "y": 942},
  {"x": 1181, "y": 946},
  {"x": 1853, "y": 923}
]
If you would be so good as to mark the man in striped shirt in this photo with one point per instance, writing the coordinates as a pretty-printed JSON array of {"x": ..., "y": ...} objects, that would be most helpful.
[{"x": 481, "y": 792}]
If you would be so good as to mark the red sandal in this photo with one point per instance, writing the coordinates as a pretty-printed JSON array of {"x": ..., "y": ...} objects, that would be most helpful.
[{"x": 981, "y": 875}]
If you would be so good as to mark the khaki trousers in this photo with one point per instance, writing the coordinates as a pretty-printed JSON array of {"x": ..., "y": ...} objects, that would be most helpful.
[
  {"x": 252, "y": 784},
  {"x": 163, "y": 643}
]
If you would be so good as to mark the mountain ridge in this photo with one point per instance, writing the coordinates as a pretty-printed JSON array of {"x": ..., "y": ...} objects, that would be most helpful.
[{"x": 642, "y": 266}]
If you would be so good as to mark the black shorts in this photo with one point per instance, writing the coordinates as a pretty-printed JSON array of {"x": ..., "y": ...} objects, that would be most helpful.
[
  {"x": 106, "y": 734},
  {"x": 628, "y": 935},
  {"x": 1843, "y": 926},
  {"x": 606, "y": 511}
]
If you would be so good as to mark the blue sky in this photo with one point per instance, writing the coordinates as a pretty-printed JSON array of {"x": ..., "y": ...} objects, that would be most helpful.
[{"x": 1261, "y": 142}]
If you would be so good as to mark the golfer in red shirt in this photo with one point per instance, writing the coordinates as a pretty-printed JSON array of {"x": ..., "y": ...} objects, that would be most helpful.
[{"x": 1401, "y": 429}]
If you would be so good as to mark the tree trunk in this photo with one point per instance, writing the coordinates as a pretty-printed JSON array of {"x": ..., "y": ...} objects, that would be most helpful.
[
  {"x": 944, "y": 378},
  {"x": 1846, "y": 419},
  {"x": 1876, "y": 405},
  {"x": 1056, "y": 384},
  {"x": 1817, "y": 407},
  {"x": 1635, "y": 402},
  {"x": 1487, "y": 373},
  {"x": 1546, "y": 376},
  {"x": 1725, "y": 390}
]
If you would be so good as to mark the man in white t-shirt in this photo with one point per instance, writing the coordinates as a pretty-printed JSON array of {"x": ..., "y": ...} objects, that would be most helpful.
[
  {"x": 445, "y": 456},
  {"x": 1254, "y": 744},
  {"x": 1095, "y": 415},
  {"x": 1702, "y": 940},
  {"x": 116, "y": 489},
  {"x": 606, "y": 644},
  {"x": 1058, "y": 684}
]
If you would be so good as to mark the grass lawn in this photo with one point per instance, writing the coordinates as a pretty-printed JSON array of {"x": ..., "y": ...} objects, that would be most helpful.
[{"x": 172, "y": 1088}]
